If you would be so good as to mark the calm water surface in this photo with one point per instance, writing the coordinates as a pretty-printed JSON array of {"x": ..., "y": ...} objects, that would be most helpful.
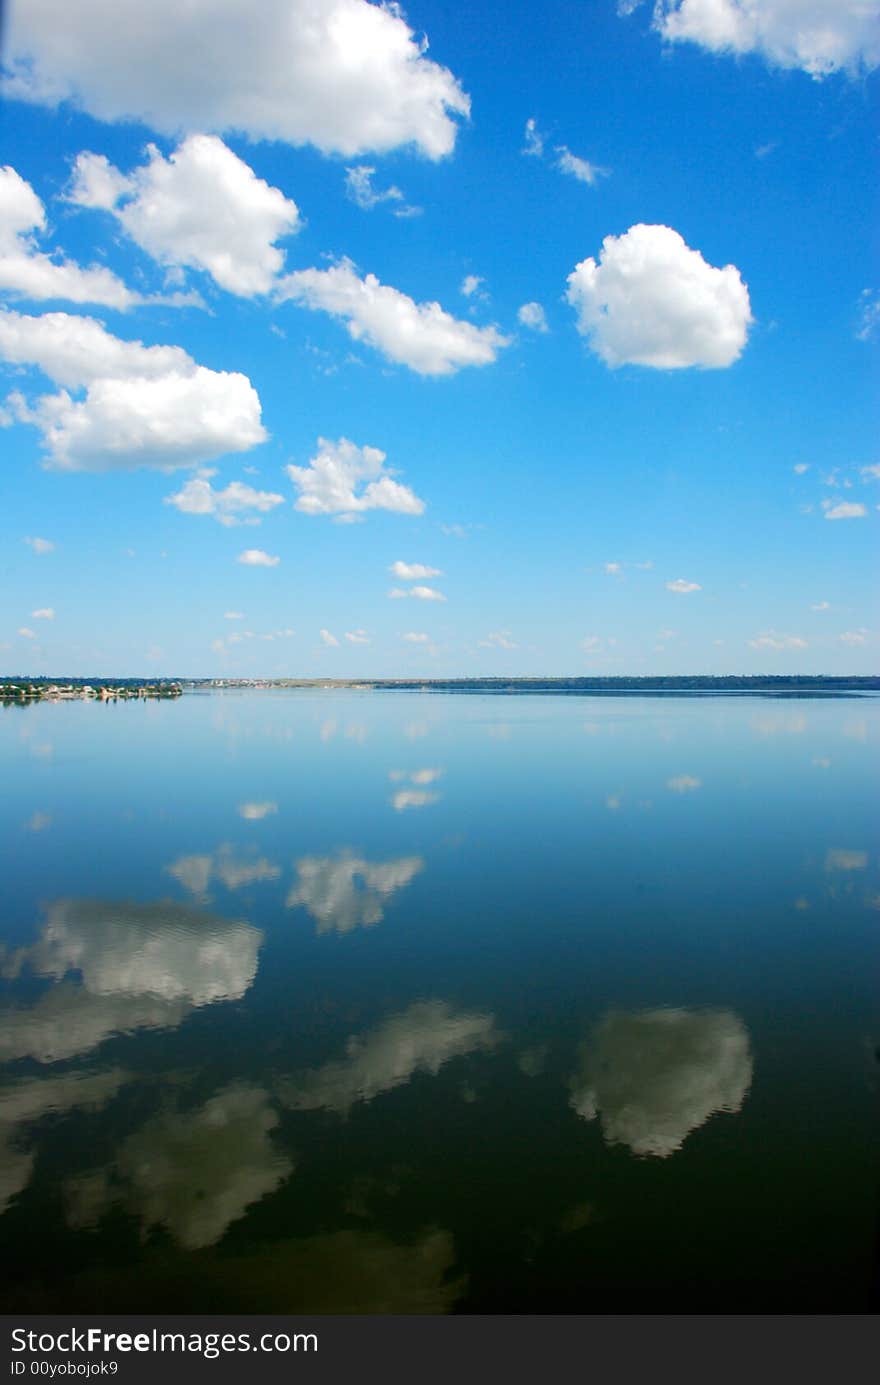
[{"x": 369, "y": 1002}]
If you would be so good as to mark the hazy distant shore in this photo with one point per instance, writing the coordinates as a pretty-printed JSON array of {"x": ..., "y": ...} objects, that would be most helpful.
[{"x": 107, "y": 689}]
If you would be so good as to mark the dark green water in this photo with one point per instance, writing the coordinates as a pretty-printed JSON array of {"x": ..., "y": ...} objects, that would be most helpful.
[{"x": 361, "y": 1002}]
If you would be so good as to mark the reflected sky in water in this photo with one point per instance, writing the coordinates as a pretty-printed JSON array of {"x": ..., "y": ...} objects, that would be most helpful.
[{"x": 355, "y": 1002}]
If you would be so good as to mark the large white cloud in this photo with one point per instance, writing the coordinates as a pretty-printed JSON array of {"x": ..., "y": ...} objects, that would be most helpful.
[
  {"x": 650, "y": 300},
  {"x": 421, "y": 1039},
  {"x": 817, "y": 36},
  {"x": 28, "y": 272},
  {"x": 345, "y": 892},
  {"x": 343, "y": 479},
  {"x": 202, "y": 208},
  {"x": 655, "y": 1076},
  {"x": 422, "y": 336},
  {"x": 139, "y": 966},
  {"x": 150, "y": 406},
  {"x": 193, "y": 1172},
  {"x": 344, "y": 75},
  {"x": 235, "y": 504}
]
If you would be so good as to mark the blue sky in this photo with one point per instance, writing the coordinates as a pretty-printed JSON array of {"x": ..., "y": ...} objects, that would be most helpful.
[{"x": 582, "y": 300}]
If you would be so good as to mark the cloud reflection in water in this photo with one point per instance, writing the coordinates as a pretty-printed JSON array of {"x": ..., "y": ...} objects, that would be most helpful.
[
  {"x": 654, "y": 1076},
  {"x": 140, "y": 966},
  {"x": 345, "y": 892}
]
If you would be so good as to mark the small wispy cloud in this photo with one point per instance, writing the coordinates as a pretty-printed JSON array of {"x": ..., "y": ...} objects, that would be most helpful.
[
  {"x": 412, "y": 572},
  {"x": 532, "y": 315},
  {"x": 420, "y": 593},
  {"x": 575, "y": 167},
  {"x": 772, "y": 639},
  {"x": 845, "y": 509},
  {"x": 684, "y": 783},
  {"x": 681, "y": 587},
  {"x": 255, "y": 812},
  {"x": 360, "y": 190},
  {"x": 472, "y": 286},
  {"x": 868, "y": 315},
  {"x": 533, "y": 140},
  {"x": 255, "y": 557}
]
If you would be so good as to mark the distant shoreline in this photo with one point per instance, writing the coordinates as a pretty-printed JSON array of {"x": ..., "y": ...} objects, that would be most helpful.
[{"x": 106, "y": 689}]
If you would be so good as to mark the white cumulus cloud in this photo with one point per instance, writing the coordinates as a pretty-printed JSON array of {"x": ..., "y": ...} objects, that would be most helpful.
[
  {"x": 27, "y": 271},
  {"x": 150, "y": 406},
  {"x": 650, "y": 300},
  {"x": 255, "y": 557},
  {"x": 44, "y": 613},
  {"x": 421, "y": 336},
  {"x": 346, "y": 480},
  {"x": 498, "y": 639},
  {"x": 357, "y": 637},
  {"x": 681, "y": 586},
  {"x": 346, "y": 76},
  {"x": 233, "y": 505},
  {"x": 420, "y": 593},
  {"x": 329, "y": 640},
  {"x": 411, "y": 572},
  {"x": 846, "y": 509},
  {"x": 471, "y": 284},
  {"x": 40, "y": 546},
  {"x": 202, "y": 208},
  {"x": 816, "y": 36},
  {"x": 850, "y": 637},
  {"x": 532, "y": 315},
  {"x": 771, "y": 639}
]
